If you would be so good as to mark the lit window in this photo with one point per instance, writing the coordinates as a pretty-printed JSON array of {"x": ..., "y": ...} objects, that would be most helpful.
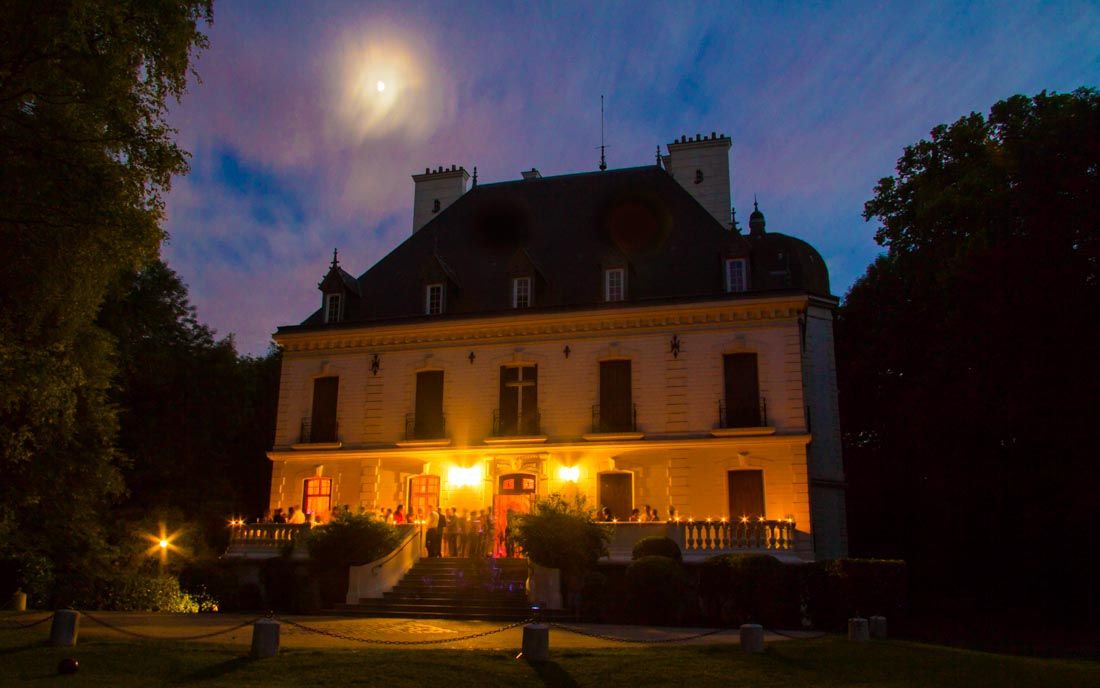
[
  {"x": 333, "y": 306},
  {"x": 736, "y": 279},
  {"x": 317, "y": 496},
  {"x": 433, "y": 300},
  {"x": 614, "y": 284},
  {"x": 521, "y": 292}
]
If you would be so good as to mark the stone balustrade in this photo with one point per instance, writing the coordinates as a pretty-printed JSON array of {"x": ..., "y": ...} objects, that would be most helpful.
[
  {"x": 259, "y": 540},
  {"x": 717, "y": 537}
]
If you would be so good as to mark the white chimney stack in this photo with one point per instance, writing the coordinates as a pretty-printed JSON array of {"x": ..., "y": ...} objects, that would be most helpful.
[
  {"x": 702, "y": 166},
  {"x": 435, "y": 190}
]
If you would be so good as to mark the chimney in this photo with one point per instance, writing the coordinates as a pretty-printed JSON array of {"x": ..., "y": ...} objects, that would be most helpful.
[
  {"x": 531, "y": 174},
  {"x": 702, "y": 166},
  {"x": 435, "y": 190}
]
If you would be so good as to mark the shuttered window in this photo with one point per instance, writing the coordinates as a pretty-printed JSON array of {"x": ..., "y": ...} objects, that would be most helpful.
[
  {"x": 428, "y": 423},
  {"x": 323, "y": 418},
  {"x": 742, "y": 387},
  {"x": 616, "y": 404}
]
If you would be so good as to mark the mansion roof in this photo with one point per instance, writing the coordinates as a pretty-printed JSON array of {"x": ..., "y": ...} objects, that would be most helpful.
[{"x": 563, "y": 232}]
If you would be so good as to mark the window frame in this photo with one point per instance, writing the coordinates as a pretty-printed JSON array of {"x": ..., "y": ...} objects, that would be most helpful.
[
  {"x": 324, "y": 492},
  {"x": 744, "y": 283},
  {"x": 428, "y": 298},
  {"x": 525, "y": 281},
  {"x": 333, "y": 315},
  {"x": 607, "y": 285}
]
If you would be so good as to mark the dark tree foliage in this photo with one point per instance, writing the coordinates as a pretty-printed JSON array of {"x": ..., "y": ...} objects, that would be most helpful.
[
  {"x": 195, "y": 419},
  {"x": 969, "y": 362},
  {"x": 85, "y": 159}
]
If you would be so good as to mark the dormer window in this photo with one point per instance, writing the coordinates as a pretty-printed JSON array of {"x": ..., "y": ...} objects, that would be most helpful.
[
  {"x": 433, "y": 299},
  {"x": 614, "y": 284},
  {"x": 521, "y": 292},
  {"x": 736, "y": 275},
  {"x": 334, "y": 308}
]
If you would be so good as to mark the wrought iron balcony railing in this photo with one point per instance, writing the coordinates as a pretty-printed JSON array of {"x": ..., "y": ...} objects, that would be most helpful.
[
  {"x": 529, "y": 422},
  {"x": 618, "y": 418},
  {"x": 743, "y": 416},
  {"x": 425, "y": 427},
  {"x": 314, "y": 434}
]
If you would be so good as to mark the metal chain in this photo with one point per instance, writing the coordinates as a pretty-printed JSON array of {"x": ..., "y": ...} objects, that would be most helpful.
[
  {"x": 379, "y": 641},
  {"x": 200, "y": 636},
  {"x": 15, "y": 624},
  {"x": 641, "y": 641}
]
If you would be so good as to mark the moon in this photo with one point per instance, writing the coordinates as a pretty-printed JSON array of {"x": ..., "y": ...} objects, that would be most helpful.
[{"x": 381, "y": 86}]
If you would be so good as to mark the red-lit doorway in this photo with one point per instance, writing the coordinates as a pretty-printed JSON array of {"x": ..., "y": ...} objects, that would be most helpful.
[
  {"x": 515, "y": 495},
  {"x": 423, "y": 495}
]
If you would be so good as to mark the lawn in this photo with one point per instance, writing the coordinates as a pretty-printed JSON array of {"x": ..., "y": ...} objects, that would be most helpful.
[{"x": 830, "y": 661}]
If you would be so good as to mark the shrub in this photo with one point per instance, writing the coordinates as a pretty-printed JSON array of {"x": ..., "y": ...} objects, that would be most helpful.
[
  {"x": 562, "y": 535},
  {"x": 134, "y": 591},
  {"x": 215, "y": 580},
  {"x": 656, "y": 586},
  {"x": 842, "y": 588},
  {"x": 750, "y": 588},
  {"x": 350, "y": 540},
  {"x": 657, "y": 546}
]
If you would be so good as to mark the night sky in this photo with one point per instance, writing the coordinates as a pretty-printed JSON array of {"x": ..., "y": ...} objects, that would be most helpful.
[{"x": 297, "y": 148}]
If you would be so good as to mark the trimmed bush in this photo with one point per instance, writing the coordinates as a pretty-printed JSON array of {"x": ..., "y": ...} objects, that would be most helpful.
[
  {"x": 749, "y": 588},
  {"x": 348, "y": 540},
  {"x": 656, "y": 585},
  {"x": 133, "y": 591},
  {"x": 842, "y": 588},
  {"x": 656, "y": 546}
]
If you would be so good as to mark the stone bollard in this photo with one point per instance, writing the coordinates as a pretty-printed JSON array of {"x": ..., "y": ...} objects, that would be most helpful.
[
  {"x": 18, "y": 601},
  {"x": 265, "y": 638},
  {"x": 857, "y": 630},
  {"x": 752, "y": 638},
  {"x": 64, "y": 628},
  {"x": 878, "y": 627},
  {"x": 536, "y": 642}
]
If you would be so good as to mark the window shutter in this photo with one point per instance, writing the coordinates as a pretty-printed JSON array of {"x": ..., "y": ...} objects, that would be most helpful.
[
  {"x": 429, "y": 404},
  {"x": 746, "y": 494},
  {"x": 323, "y": 420},
  {"x": 742, "y": 391},
  {"x": 615, "y": 397}
]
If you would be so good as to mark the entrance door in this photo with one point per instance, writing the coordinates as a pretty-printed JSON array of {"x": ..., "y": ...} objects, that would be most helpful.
[
  {"x": 617, "y": 494},
  {"x": 515, "y": 496},
  {"x": 423, "y": 495},
  {"x": 746, "y": 494}
]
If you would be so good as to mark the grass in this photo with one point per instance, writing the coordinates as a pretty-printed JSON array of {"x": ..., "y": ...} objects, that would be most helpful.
[{"x": 830, "y": 661}]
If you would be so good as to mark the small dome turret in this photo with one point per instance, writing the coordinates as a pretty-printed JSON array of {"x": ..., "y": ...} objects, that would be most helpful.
[{"x": 756, "y": 220}]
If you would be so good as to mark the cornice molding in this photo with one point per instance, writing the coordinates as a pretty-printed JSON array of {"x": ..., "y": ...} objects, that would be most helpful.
[
  {"x": 484, "y": 451},
  {"x": 575, "y": 324}
]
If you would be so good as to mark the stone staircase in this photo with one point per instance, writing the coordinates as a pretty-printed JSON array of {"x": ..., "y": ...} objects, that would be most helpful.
[{"x": 454, "y": 588}]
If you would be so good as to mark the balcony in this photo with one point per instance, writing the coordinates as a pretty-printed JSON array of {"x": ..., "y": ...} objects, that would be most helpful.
[
  {"x": 700, "y": 540},
  {"x": 746, "y": 419},
  {"x": 509, "y": 428},
  {"x": 426, "y": 430},
  {"x": 266, "y": 540},
  {"x": 325, "y": 435},
  {"x": 619, "y": 422}
]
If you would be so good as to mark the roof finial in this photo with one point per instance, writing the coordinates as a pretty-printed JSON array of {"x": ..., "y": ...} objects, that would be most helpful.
[
  {"x": 754, "y": 204},
  {"x": 475, "y": 176},
  {"x": 659, "y": 156},
  {"x": 603, "y": 158},
  {"x": 335, "y": 262}
]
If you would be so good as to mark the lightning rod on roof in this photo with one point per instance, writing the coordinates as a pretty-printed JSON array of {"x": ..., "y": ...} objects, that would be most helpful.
[{"x": 603, "y": 157}]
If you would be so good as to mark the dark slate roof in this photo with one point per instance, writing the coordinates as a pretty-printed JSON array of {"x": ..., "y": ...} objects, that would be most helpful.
[{"x": 564, "y": 231}]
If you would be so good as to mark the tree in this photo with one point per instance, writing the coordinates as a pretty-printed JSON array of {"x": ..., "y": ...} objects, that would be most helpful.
[
  {"x": 87, "y": 157},
  {"x": 969, "y": 375}
]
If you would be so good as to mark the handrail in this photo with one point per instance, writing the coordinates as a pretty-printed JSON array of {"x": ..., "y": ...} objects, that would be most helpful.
[{"x": 413, "y": 532}]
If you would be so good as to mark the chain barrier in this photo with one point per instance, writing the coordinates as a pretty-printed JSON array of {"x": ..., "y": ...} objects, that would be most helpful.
[
  {"x": 817, "y": 634},
  {"x": 640, "y": 641},
  {"x": 145, "y": 636},
  {"x": 379, "y": 641},
  {"x": 14, "y": 624}
]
